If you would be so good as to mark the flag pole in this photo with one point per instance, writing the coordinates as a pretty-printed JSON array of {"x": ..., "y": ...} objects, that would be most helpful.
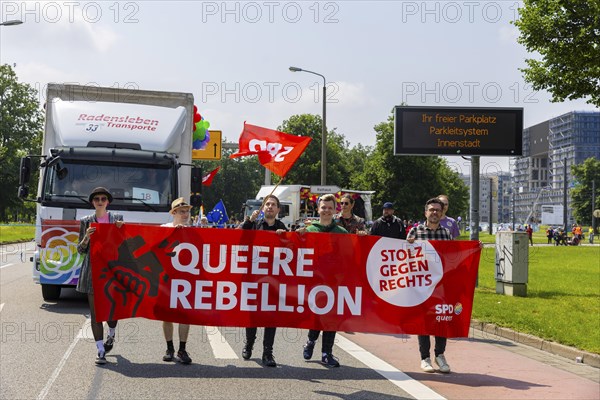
[{"x": 270, "y": 194}]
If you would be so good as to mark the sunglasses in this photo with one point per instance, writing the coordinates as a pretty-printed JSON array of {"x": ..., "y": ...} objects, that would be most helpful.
[
  {"x": 103, "y": 198},
  {"x": 345, "y": 203}
]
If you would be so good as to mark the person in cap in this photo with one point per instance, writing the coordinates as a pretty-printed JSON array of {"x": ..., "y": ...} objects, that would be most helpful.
[
  {"x": 388, "y": 225},
  {"x": 180, "y": 211},
  {"x": 268, "y": 222},
  {"x": 100, "y": 198}
]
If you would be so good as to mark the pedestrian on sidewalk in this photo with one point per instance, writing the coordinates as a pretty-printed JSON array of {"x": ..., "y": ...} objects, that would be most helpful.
[
  {"x": 431, "y": 230},
  {"x": 100, "y": 198},
  {"x": 180, "y": 211}
]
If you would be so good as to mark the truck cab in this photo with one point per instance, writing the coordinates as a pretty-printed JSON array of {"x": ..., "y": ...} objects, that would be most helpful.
[{"x": 135, "y": 143}]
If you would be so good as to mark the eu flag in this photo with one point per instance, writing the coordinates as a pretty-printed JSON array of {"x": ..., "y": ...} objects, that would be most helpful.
[{"x": 218, "y": 215}]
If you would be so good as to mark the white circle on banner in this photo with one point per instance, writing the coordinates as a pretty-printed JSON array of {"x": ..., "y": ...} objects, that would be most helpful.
[{"x": 403, "y": 274}]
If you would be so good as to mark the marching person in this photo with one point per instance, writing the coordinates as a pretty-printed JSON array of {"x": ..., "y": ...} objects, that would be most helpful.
[
  {"x": 326, "y": 209},
  {"x": 388, "y": 225},
  {"x": 346, "y": 218},
  {"x": 446, "y": 221},
  {"x": 181, "y": 217},
  {"x": 100, "y": 199},
  {"x": 431, "y": 230},
  {"x": 269, "y": 222}
]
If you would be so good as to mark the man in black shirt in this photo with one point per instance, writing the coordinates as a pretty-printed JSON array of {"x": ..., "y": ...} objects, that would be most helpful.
[
  {"x": 268, "y": 223},
  {"x": 389, "y": 225}
]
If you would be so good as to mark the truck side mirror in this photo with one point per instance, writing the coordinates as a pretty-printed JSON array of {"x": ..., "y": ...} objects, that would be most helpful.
[
  {"x": 24, "y": 177},
  {"x": 25, "y": 171},
  {"x": 23, "y": 192}
]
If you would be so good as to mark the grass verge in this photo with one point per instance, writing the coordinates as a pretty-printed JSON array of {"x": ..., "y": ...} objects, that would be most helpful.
[
  {"x": 10, "y": 233},
  {"x": 563, "y": 296}
]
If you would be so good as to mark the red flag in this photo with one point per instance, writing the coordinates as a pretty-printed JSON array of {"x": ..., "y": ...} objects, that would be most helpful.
[
  {"x": 207, "y": 179},
  {"x": 277, "y": 151}
]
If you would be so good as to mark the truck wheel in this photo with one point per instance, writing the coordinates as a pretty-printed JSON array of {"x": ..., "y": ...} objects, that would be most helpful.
[{"x": 50, "y": 292}]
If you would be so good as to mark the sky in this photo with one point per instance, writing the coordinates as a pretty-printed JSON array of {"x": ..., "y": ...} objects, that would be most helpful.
[{"x": 234, "y": 57}]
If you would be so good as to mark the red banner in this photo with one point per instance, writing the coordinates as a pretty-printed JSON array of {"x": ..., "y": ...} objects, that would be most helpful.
[
  {"x": 246, "y": 278},
  {"x": 277, "y": 151}
]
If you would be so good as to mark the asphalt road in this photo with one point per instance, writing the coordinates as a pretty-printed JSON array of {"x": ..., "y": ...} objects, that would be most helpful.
[{"x": 47, "y": 352}]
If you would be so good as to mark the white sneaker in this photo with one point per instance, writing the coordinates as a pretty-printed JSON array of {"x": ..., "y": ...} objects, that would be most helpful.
[
  {"x": 426, "y": 365},
  {"x": 442, "y": 364}
]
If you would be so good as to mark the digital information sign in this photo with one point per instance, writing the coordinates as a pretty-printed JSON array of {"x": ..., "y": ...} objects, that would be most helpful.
[{"x": 458, "y": 131}]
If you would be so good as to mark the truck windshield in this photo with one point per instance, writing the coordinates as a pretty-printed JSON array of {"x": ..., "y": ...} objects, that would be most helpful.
[{"x": 132, "y": 186}]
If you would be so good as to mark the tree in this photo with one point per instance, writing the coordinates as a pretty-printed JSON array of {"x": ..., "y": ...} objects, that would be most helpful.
[
  {"x": 238, "y": 180},
  {"x": 21, "y": 124},
  {"x": 581, "y": 194},
  {"x": 307, "y": 170},
  {"x": 566, "y": 33},
  {"x": 408, "y": 181}
]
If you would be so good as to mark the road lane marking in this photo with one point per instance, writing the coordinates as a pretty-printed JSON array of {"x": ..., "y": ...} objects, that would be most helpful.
[
  {"x": 388, "y": 371},
  {"x": 7, "y": 265},
  {"x": 2, "y": 306},
  {"x": 219, "y": 345},
  {"x": 62, "y": 363}
]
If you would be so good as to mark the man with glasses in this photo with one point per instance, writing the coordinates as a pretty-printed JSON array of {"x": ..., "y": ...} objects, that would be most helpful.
[
  {"x": 446, "y": 221},
  {"x": 181, "y": 217},
  {"x": 389, "y": 225},
  {"x": 347, "y": 220},
  {"x": 431, "y": 230}
]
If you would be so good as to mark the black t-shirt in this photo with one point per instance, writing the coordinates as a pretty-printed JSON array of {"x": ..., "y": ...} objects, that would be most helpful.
[{"x": 262, "y": 225}]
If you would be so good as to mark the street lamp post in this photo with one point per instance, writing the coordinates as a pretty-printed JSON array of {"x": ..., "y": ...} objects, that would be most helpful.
[{"x": 323, "y": 128}]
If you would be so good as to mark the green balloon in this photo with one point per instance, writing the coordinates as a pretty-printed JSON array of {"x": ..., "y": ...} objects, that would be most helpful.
[{"x": 202, "y": 134}]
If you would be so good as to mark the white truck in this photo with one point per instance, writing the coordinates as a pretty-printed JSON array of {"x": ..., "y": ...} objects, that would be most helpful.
[
  {"x": 135, "y": 143},
  {"x": 298, "y": 202}
]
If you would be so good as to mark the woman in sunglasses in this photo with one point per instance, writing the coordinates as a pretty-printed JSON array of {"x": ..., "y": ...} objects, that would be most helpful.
[
  {"x": 100, "y": 199},
  {"x": 346, "y": 218}
]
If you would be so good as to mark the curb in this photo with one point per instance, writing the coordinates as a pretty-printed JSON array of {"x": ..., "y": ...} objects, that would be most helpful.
[{"x": 561, "y": 350}]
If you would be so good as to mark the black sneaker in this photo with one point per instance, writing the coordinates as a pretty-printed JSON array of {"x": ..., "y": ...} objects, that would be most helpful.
[
  {"x": 169, "y": 355},
  {"x": 100, "y": 358},
  {"x": 247, "y": 352},
  {"x": 182, "y": 357},
  {"x": 330, "y": 361},
  {"x": 308, "y": 350},
  {"x": 108, "y": 345},
  {"x": 268, "y": 360}
]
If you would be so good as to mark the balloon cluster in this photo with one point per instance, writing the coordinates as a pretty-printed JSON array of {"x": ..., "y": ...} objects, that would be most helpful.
[{"x": 201, "y": 136}]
